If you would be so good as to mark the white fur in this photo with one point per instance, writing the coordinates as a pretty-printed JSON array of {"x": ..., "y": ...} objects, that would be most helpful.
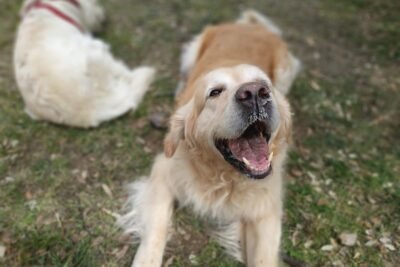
[
  {"x": 252, "y": 16},
  {"x": 286, "y": 74},
  {"x": 189, "y": 56},
  {"x": 68, "y": 77},
  {"x": 231, "y": 78},
  {"x": 133, "y": 219}
]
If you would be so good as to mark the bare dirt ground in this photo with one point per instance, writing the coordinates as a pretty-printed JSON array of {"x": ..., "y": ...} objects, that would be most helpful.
[{"x": 59, "y": 187}]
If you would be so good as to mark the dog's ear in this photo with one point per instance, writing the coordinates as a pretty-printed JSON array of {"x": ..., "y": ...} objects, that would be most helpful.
[
  {"x": 181, "y": 128},
  {"x": 285, "y": 124},
  {"x": 175, "y": 134}
]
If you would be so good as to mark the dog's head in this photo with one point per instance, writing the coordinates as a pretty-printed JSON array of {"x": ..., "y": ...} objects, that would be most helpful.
[
  {"x": 89, "y": 11},
  {"x": 236, "y": 113},
  {"x": 93, "y": 14}
]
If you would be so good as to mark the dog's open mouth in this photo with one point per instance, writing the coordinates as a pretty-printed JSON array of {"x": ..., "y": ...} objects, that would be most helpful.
[{"x": 249, "y": 153}]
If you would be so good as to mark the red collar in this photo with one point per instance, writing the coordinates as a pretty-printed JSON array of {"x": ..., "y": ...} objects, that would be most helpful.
[{"x": 40, "y": 5}]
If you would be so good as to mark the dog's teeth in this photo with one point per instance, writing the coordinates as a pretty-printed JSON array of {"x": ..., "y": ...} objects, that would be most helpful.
[
  {"x": 246, "y": 161},
  {"x": 248, "y": 164},
  {"x": 270, "y": 156}
]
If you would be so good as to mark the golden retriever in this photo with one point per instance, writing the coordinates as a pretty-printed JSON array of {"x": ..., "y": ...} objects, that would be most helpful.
[
  {"x": 225, "y": 150},
  {"x": 67, "y": 76}
]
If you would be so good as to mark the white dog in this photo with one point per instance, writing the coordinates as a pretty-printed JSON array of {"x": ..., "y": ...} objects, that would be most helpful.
[
  {"x": 226, "y": 146},
  {"x": 64, "y": 74}
]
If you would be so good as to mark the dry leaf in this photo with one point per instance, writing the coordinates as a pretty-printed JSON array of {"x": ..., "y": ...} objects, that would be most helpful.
[
  {"x": 296, "y": 172},
  {"x": 113, "y": 214},
  {"x": 107, "y": 190},
  {"x": 169, "y": 262},
  {"x": 310, "y": 41},
  {"x": 327, "y": 248},
  {"x": 314, "y": 85},
  {"x": 2, "y": 251},
  {"x": 371, "y": 243},
  {"x": 385, "y": 240},
  {"x": 308, "y": 243},
  {"x": 390, "y": 247},
  {"x": 348, "y": 239}
]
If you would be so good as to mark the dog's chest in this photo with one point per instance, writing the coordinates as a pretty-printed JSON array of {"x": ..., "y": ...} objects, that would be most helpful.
[{"x": 227, "y": 199}]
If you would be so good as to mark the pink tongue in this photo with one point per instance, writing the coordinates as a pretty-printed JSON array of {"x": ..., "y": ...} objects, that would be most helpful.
[{"x": 254, "y": 149}]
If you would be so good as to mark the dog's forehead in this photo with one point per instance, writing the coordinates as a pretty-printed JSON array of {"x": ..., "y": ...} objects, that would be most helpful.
[{"x": 235, "y": 75}]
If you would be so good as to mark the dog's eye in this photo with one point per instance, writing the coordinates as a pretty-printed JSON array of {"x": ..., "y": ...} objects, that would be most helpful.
[{"x": 216, "y": 92}]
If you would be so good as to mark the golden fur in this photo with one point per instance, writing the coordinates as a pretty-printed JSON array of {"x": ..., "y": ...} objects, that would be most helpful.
[
  {"x": 192, "y": 171},
  {"x": 221, "y": 47}
]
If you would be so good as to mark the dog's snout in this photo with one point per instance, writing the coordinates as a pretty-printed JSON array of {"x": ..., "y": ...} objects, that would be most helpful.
[{"x": 253, "y": 94}]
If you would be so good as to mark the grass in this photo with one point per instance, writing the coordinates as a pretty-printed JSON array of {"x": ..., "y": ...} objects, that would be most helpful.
[{"x": 343, "y": 169}]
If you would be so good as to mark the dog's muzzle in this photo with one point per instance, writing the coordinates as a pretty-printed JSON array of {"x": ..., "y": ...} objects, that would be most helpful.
[
  {"x": 250, "y": 153},
  {"x": 254, "y": 100}
]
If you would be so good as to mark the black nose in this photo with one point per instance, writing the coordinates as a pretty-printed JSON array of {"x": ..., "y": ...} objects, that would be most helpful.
[{"x": 254, "y": 94}]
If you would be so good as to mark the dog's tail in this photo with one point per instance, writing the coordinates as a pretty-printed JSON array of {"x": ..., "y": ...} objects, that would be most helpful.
[
  {"x": 286, "y": 74},
  {"x": 124, "y": 93},
  {"x": 141, "y": 79},
  {"x": 253, "y": 17}
]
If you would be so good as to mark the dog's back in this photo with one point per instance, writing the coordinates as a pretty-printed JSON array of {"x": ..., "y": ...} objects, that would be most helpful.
[{"x": 64, "y": 74}]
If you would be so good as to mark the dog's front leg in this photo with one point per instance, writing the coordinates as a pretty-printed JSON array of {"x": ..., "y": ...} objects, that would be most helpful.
[
  {"x": 262, "y": 238},
  {"x": 157, "y": 207}
]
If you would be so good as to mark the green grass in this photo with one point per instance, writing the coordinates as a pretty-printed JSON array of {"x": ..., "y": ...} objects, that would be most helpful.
[
  {"x": 377, "y": 22},
  {"x": 343, "y": 169}
]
